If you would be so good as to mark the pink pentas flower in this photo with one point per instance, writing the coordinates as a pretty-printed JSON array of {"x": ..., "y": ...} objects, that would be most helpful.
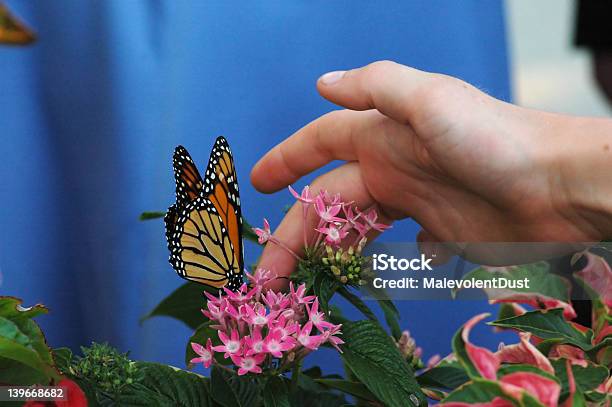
[
  {"x": 333, "y": 235},
  {"x": 214, "y": 311},
  {"x": 298, "y": 294},
  {"x": 263, "y": 235},
  {"x": 275, "y": 344},
  {"x": 331, "y": 336},
  {"x": 240, "y": 296},
  {"x": 231, "y": 345},
  {"x": 286, "y": 326},
  {"x": 335, "y": 199},
  {"x": 248, "y": 364},
  {"x": 370, "y": 217},
  {"x": 270, "y": 330},
  {"x": 205, "y": 353},
  {"x": 260, "y": 277},
  {"x": 257, "y": 315},
  {"x": 309, "y": 341},
  {"x": 253, "y": 343},
  {"x": 318, "y": 318},
  {"x": 276, "y": 301},
  {"x": 327, "y": 213},
  {"x": 350, "y": 216},
  {"x": 304, "y": 197}
]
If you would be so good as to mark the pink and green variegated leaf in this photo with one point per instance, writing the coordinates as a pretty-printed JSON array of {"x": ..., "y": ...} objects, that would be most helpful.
[
  {"x": 549, "y": 325},
  {"x": 544, "y": 389},
  {"x": 477, "y": 361},
  {"x": 546, "y": 290},
  {"x": 481, "y": 392},
  {"x": 496, "y": 402},
  {"x": 478, "y": 393},
  {"x": 596, "y": 277},
  {"x": 597, "y": 274},
  {"x": 576, "y": 379},
  {"x": 524, "y": 352},
  {"x": 575, "y": 355}
]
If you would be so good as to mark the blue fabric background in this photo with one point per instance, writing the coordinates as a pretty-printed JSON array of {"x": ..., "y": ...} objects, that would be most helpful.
[{"x": 90, "y": 114}]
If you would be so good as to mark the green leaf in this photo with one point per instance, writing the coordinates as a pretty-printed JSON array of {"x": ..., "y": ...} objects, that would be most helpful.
[
  {"x": 312, "y": 394},
  {"x": 324, "y": 287},
  {"x": 11, "y": 308},
  {"x": 314, "y": 372},
  {"x": 21, "y": 365},
  {"x": 163, "y": 385},
  {"x": 446, "y": 375},
  {"x": 506, "y": 310},
  {"x": 275, "y": 393},
  {"x": 586, "y": 378},
  {"x": 247, "y": 231},
  {"x": 548, "y": 325},
  {"x": 25, "y": 357},
  {"x": 10, "y": 330},
  {"x": 184, "y": 304},
  {"x": 375, "y": 360},
  {"x": 356, "y": 389},
  {"x": 230, "y": 390},
  {"x": 151, "y": 215},
  {"x": 391, "y": 317},
  {"x": 484, "y": 391},
  {"x": 357, "y": 303},
  {"x": 62, "y": 358}
]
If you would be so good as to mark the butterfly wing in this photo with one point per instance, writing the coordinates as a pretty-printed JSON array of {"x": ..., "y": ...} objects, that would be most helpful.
[
  {"x": 200, "y": 247},
  {"x": 204, "y": 227},
  {"x": 188, "y": 181},
  {"x": 221, "y": 188}
]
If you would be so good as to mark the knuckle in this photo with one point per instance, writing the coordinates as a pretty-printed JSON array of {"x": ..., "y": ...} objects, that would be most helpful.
[{"x": 380, "y": 68}]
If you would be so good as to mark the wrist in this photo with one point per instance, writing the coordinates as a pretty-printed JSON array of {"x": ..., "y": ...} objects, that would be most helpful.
[{"x": 583, "y": 167}]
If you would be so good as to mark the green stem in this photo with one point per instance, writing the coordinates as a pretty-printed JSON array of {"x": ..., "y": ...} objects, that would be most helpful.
[{"x": 295, "y": 374}]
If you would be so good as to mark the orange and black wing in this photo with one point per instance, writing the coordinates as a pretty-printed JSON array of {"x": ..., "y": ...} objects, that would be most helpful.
[
  {"x": 188, "y": 181},
  {"x": 200, "y": 248},
  {"x": 204, "y": 226},
  {"x": 221, "y": 188}
]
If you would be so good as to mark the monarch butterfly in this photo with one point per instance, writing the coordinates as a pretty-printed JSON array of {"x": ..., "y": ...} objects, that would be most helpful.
[{"x": 204, "y": 225}]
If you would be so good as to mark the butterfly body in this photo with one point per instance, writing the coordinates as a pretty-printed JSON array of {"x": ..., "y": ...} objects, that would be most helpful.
[{"x": 204, "y": 225}]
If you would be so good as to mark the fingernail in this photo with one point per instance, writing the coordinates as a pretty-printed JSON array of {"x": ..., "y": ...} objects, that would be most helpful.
[{"x": 332, "y": 77}]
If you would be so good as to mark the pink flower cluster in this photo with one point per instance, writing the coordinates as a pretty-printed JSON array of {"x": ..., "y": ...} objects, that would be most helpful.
[
  {"x": 336, "y": 219},
  {"x": 260, "y": 329}
]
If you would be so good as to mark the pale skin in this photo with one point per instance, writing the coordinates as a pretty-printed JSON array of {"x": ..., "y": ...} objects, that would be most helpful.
[{"x": 465, "y": 166}]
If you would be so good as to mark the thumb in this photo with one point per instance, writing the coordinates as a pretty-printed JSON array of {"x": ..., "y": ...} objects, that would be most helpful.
[{"x": 391, "y": 88}]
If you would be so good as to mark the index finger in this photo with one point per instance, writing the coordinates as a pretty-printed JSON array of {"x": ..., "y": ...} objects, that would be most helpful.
[{"x": 328, "y": 138}]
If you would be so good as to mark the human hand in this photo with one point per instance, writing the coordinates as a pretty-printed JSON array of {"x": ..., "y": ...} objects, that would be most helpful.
[{"x": 467, "y": 167}]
